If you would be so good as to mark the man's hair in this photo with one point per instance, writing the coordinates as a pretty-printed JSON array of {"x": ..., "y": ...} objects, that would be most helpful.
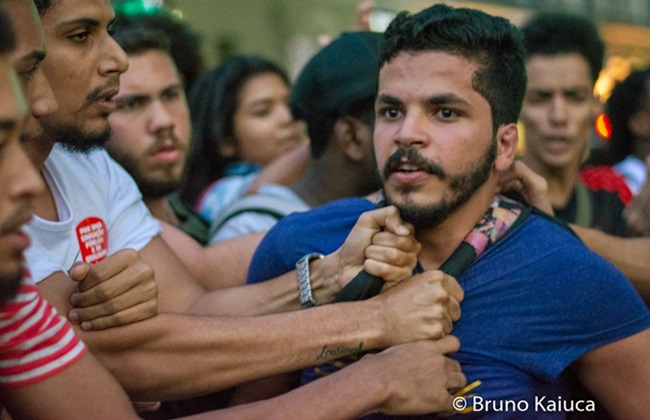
[
  {"x": 184, "y": 42},
  {"x": 213, "y": 100},
  {"x": 7, "y": 37},
  {"x": 562, "y": 33},
  {"x": 628, "y": 97},
  {"x": 135, "y": 37},
  {"x": 491, "y": 42}
]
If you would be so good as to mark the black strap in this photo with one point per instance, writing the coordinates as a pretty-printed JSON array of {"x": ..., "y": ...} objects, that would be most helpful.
[{"x": 364, "y": 286}]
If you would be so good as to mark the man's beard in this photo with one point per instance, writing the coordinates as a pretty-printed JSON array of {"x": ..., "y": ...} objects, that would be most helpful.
[
  {"x": 9, "y": 284},
  {"x": 75, "y": 140},
  {"x": 150, "y": 187},
  {"x": 463, "y": 186}
]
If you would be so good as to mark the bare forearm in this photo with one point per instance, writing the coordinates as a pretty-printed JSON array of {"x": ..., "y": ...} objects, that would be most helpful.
[
  {"x": 153, "y": 359},
  {"x": 348, "y": 393},
  {"x": 215, "y": 266},
  {"x": 81, "y": 391},
  {"x": 630, "y": 255},
  {"x": 274, "y": 296}
]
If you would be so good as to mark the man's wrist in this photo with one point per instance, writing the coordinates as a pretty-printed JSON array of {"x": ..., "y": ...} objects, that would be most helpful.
[
  {"x": 303, "y": 273},
  {"x": 325, "y": 281}
]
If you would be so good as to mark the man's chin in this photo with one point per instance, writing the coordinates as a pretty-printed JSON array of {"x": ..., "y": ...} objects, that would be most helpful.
[{"x": 82, "y": 141}]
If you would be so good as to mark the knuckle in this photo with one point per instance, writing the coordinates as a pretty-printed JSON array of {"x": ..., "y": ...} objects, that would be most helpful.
[
  {"x": 111, "y": 306},
  {"x": 102, "y": 293},
  {"x": 147, "y": 271}
]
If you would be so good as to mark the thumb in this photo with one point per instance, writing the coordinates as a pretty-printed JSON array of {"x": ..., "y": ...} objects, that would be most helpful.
[
  {"x": 448, "y": 344},
  {"x": 79, "y": 271},
  {"x": 386, "y": 218}
]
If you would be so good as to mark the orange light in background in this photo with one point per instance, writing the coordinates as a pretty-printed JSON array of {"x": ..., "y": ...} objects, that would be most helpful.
[{"x": 603, "y": 126}]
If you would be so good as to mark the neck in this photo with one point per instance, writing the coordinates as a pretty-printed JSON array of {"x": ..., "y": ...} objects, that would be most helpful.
[
  {"x": 561, "y": 181},
  {"x": 161, "y": 210},
  {"x": 38, "y": 149},
  {"x": 321, "y": 185},
  {"x": 440, "y": 242}
]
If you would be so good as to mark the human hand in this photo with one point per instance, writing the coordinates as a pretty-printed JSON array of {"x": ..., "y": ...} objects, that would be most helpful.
[
  {"x": 119, "y": 290},
  {"x": 380, "y": 243},
  {"x": 531, "y": 186},
  {"x": 637, "y": 212},
  {"x": 362, "y": 18},
  {"x": 418, "y": 376},
  {"x": 422, "y": 307}
]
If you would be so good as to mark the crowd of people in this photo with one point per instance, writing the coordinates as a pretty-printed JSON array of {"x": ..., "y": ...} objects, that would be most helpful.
[{"x": 228, "y": 244}]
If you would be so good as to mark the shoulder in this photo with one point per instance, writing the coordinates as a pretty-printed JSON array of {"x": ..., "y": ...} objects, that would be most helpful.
[
  {"x": 545, "y": 259},
  {"x": 220, "y": 194},
  {"x": 606, "y": 178},
  {"x": 340, "y": 213}
]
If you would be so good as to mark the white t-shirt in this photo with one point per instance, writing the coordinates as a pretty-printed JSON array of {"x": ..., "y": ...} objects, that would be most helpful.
[
  {"x": 35, "y": 341},
  {"x": 100, "y": 212}
]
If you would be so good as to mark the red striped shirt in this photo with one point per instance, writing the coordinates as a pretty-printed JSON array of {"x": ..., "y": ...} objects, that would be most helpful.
[{"x": 35, "y": 342}]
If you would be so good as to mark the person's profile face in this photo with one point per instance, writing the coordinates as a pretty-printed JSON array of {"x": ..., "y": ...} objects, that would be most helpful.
[
  {"x": 26, "y": 59},
  {"x": 150, "y": 129},
  {"x": 83, "y": 65},
  {"x": 434, "y": 142},
  {"x": 19, "y": 182},
  {"x": 558, "y": 111}
]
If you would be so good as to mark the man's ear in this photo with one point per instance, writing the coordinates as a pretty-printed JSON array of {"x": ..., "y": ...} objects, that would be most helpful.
[
  {"x": 507, "y": 140},
  {"x": 353, "y": 138}
]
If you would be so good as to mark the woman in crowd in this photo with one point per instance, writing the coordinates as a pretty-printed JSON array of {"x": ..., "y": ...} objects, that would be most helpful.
[{"x": 241, "y": 122}]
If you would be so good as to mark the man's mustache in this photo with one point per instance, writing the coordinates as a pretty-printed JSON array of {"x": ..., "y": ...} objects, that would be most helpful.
[{"x": 414, "y": 158}]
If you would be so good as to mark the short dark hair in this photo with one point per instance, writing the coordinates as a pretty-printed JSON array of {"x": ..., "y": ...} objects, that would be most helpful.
[
  {"x": 135, "y": 37},
  {"x": 213, "y": 100},
  {"x": 628, "y": 97},
  {"x": 491, "y": 42},
  {"x": 184, "y": 42},
  {"x": 7, "y": 36},
  {"x": 554, "y": 33}
]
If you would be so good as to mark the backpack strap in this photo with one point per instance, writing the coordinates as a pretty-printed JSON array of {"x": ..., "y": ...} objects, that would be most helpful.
[
  {"x": 269, "y": 205},
  {"x": 584, "y": 205},
  {"x": 364, "y": 285}
]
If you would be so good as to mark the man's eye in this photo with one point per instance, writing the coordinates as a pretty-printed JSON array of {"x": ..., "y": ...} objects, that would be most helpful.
[
  {"x": 27, "y": 74},
  {"x": 79, "y": 37},
  {"x": 389, "y": 113},
  {"x": 129, "y": 105},
  {"x": 446, "y": 113}
]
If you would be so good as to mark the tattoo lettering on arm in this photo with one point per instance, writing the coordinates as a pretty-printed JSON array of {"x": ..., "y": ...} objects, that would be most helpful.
[{"x": 327, "y": 353}]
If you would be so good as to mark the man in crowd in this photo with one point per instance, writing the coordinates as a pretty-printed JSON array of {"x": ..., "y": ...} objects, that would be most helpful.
[
  {"x": 343, "y": 77},
  {"x": 564, "y": 58},
  {"x": 48, "y": 375},
  {"x": 46, "y": 370},
  {"x": 451, "y": 85},
  {"x": 91, "y": 197}
]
